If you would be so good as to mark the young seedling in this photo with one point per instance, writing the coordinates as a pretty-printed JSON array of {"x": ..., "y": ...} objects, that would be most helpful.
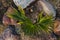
[{"x": 43, "y": 22}]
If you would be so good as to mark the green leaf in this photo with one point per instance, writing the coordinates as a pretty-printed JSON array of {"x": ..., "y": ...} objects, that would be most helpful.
[
  {"x": 40, "y": 16},
  {"x": 21, "y": 10}
]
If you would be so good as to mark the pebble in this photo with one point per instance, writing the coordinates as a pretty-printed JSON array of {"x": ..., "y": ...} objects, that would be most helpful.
[
  {"x": 57, "y": 27},
  {"x": 10, "y": 34}
]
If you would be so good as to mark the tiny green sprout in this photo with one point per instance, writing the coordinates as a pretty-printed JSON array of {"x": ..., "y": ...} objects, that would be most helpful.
[{"x": 43, "y": 23}]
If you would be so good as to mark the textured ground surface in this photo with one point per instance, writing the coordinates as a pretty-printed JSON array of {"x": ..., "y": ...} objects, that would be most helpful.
[{"x": 5, "y": 4}]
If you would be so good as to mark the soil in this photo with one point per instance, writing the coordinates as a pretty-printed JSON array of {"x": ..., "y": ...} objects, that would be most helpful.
[{"x": 5, "y": 4}]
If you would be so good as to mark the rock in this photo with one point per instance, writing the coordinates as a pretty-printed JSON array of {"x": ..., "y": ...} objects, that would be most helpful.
[
  {"x": 48, "y": 8},
  {"x": 56, "y": 4},
  {"x": 24, "y": 3},
  {"x": 7, "y": 20},
  {"x": 4, "y": 5},
  {"x": 10, "y": 34},
  {"x": 57, "y": 27}
]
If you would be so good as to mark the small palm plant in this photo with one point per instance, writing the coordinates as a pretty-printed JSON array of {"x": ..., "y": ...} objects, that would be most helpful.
[{"x": 42, "y": 24}]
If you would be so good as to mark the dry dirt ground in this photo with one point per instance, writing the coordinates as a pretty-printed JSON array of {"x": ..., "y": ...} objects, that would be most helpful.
[{"x": 5, "y": 4}]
